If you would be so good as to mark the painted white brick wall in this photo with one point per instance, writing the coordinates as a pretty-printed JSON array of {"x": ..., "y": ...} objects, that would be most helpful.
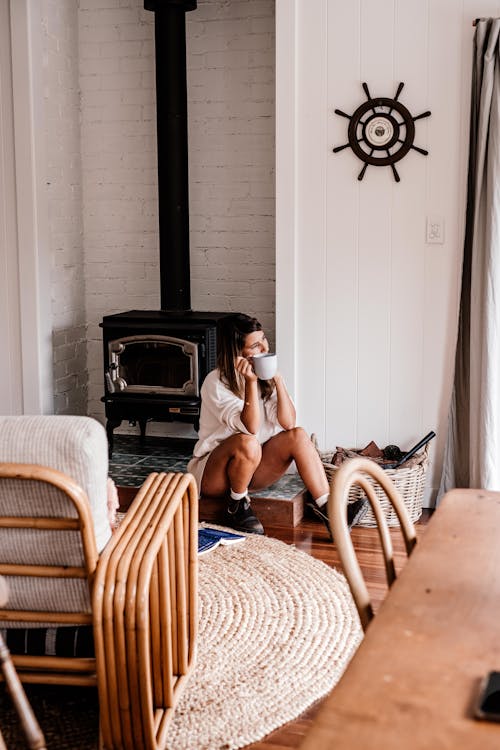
[
  {"x": 231, "y": 150},
  {"x": 101, "y": 171},
  {"x": 62, "y": 110},
  {"x": 119, "y": 168},
  {"x": 231, "y": 73}
]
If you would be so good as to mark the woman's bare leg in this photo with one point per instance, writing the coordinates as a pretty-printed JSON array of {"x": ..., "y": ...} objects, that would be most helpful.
[
  {"x": 278, "y": 453},
  {"x": 231, "y": 465},
  {"x": 229, "y": 470}
]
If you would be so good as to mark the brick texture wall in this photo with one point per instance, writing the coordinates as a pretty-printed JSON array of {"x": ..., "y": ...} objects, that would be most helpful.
[
  {"x": 62, "y": 109},
  {"x": 230, "y": 61},
  {"x": 231, "y": 140},
  {"x": 119, "y": 168}
]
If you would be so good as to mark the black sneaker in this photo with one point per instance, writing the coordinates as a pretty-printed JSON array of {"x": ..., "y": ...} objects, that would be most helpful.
[
  {"x": 355, "y": 512},
  {"x": 240, "y": 516}
]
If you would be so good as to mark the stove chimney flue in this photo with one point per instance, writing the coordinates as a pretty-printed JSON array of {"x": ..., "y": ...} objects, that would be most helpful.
[{"x": 172, "y": 140}]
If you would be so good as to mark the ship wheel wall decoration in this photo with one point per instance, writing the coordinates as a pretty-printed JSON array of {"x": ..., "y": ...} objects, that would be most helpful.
[{"x": 381, "y": 132}]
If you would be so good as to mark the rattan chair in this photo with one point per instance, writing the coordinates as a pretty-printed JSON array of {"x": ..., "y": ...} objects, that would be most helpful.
[
  {"x": 363, "y": 472},
  {"x": 139, "y": 594}
]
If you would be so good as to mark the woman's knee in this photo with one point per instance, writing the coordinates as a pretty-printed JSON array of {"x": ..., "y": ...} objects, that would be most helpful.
[
  {"x": 298, "y": 442},
  {"x": 299, "y": 437},
  {"x": 248, "y": 447}
]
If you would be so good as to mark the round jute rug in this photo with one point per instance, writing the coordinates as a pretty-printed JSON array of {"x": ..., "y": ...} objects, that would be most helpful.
[{"x": 277, "y": 629}]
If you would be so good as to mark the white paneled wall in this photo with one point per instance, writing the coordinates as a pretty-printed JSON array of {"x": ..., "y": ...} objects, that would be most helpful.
[
  {"x": 374, "y": 307},
  {"x": 11, "y": 401}
]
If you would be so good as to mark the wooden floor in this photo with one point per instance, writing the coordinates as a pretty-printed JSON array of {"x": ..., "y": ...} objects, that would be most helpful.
[{"x": 311, "y": 537}]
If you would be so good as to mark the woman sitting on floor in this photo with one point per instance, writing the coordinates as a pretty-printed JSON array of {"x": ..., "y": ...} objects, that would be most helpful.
[{"x": 247, "y": 436}]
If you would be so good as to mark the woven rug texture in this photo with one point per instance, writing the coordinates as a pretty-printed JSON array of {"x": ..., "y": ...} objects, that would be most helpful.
[{"x": 277, "y": 629}]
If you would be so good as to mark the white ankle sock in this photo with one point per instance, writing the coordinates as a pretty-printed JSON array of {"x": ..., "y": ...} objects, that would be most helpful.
[
  {"x": 240, "y": 495},
  {"x": 320, "y": 501}
]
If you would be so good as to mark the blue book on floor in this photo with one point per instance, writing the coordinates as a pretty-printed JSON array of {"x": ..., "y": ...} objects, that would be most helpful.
[{"x": 210, "y": 538}]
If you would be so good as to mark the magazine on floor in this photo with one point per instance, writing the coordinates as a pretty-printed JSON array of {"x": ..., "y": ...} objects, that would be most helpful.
[{"x": 209, "y": 538}]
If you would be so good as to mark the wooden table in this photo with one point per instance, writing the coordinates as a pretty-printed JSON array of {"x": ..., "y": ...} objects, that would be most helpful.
[{"x": 414, "y": 679}]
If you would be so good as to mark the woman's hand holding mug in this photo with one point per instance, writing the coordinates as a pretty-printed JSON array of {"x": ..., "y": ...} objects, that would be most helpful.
[{"x": 244, "y": 366}]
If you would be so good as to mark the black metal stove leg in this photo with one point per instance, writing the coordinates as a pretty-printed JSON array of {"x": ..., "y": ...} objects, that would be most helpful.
[
  {"x": 111, "y": 424},
  {"x": 142, "y": 427}
]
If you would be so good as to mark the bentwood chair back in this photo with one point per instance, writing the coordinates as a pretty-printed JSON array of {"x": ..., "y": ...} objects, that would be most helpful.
[
  {"x": 129, "y": 597},
  {"x": 364, "y": 473}
]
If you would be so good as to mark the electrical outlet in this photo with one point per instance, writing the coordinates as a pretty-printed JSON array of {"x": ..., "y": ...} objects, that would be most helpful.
[{"x": 435, "y": 230}]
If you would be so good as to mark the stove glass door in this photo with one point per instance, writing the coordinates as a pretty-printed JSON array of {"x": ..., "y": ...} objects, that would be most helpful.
[{"x": 153, "y": 364}]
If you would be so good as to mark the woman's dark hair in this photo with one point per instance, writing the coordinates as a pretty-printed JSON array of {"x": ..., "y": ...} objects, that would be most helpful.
[{"x": 232, "y": 331}]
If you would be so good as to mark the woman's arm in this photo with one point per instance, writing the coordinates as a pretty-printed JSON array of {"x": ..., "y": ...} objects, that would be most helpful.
[
  {"x": 285, "y": 409},
  {"x": 250, "y": 415}
]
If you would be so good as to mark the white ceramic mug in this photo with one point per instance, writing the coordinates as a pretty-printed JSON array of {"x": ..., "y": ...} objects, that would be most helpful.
[{"x": 265, "y": 365}]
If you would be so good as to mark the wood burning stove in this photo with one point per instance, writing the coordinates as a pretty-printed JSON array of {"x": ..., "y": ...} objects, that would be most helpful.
[
  {"x": 156, "y": 360},
  {"x": 154, "y": 364}
]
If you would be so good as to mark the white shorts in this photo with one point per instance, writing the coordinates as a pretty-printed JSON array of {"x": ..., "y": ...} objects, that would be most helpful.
[{"x": 196, "y": 467}]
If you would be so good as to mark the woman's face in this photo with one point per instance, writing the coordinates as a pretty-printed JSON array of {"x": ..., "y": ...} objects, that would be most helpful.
[{"x": 255, "y": 343}]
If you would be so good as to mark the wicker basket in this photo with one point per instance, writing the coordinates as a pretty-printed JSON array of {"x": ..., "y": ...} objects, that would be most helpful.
[{"x": 410, "y": 484}]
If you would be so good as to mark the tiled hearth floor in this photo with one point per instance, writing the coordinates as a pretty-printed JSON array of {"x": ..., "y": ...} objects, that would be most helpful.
[{"x": 132, "y": 461}]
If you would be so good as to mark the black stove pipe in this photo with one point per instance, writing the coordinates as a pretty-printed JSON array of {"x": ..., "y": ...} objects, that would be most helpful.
[{"x": 172, "y": 139}]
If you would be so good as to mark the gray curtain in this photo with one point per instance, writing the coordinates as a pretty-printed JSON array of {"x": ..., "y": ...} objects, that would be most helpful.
[{"x": 472, "y": 453}]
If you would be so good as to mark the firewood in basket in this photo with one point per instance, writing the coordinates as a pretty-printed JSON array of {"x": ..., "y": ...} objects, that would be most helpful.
[{"x": 371, "y": 450}]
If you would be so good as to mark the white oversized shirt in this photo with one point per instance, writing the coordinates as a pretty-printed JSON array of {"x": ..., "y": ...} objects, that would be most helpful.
[{"x": 220, "y": 416}]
